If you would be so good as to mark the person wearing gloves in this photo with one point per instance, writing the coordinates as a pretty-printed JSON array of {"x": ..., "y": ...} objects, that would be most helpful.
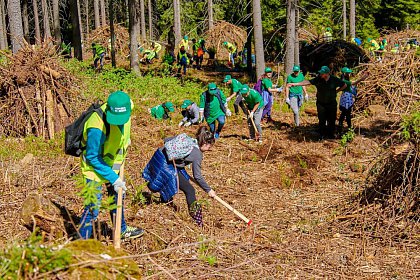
[
  {"x": 190, "y": 112},
  {"x": 326, "y": 99},
  {"x": 267, "y": 93},
  {"x": 106, "y": 140},
  {"x": 235, "y": 86},
  {"x": 255, "y": 105},
  {"x": 161, "y": 112},
  {"x": 161, "y": 176},
  {"x": 294, "y": 95},
  {"x": 231, "y": 48},
  {"x": 348, "y": 97},
  {"x": 213, "y": 107}
]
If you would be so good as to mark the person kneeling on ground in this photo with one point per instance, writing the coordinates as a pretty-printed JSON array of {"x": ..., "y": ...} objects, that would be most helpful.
[
  {"x": 161, "y": 112},
  {"x": 213, "y": 107},
  {"x": 255, "y": 105},
  {"x": 190, "y": 112},
  {"x": 106, "y": 142},
  {"x": 180, "y": 151}
]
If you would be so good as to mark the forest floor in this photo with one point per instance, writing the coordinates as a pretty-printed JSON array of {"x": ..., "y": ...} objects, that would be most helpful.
[{"x": 293, "y": 187}]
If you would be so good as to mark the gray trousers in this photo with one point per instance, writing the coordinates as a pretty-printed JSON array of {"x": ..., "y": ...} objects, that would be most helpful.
[
  {"x": 295, "y": 104},
  {"x": 257, "y": 120}
]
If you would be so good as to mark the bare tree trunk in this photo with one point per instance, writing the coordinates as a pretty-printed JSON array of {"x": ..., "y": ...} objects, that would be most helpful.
[
  {"x": 25, "y": 20},
  {"x": 3, "y": 33},
  {"x": 103, "y": 13},
  {"x": 77, "y": 40},
  {"x": 177, "y": 22},
  {"x": 112, "y": 30},
  {"x": 80, "y": 20},
  {"x": 142, "y": 21},
  {"x": 210, "y": 11},
  {"x": 15, "y": 24},
  {"x": 290, "y": 37},
  {"x": 344, "y": 20},
  {"x": 87, "y": 16},
  {"x": 56, "y": 16},
  {"x": 296, "y": 52},
  {"x": 150, "y": 11},
  {"x": 352, "y": 18},
  {"x": 258, "y": 37},
  {"x": 36, "y": 20},
  {"x": 249, "y": 41},
  {"x": 133, "y": 22},
  {"x": 96, "y": 11},
  {"x": 46, "y": 20}
]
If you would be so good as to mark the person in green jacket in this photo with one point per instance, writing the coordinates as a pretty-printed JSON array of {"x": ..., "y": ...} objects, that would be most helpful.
[
  {"x": 255, "y": 105},
  {"x": 98, "y": 55},
  {"x": 161, "y": 112},
  {"x": 235, "y": 86},
  {"x": 213, "y": 107},
  {"x": 294, "y": 95}
]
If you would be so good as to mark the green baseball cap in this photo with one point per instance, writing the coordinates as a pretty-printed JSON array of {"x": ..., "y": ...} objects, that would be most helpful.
[
  {"x": 227, "y": 78},
  {"x": 185, "y": 37},
  {"x": 212, "y": 88},
  {"x": 268, "y": 70},
  {"x": 346, "y": 70},
  {"x": 244, "y": 89},
  {"x": 118, "y": 109},
  {"x": 224, "y": 43},
  {"x": 186, "y": 103},
  {"x": 324, "y": 70},
  {"x": 296, "y": 68},
  {"x": 328, "y": 29},
  {"x": 170, "y": 106}
]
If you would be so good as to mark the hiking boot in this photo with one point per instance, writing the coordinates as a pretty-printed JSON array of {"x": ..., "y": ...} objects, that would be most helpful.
[
  {"x": 196, "y": 213},
  {"x": 216, "y": 136},
  {"x": 132, "y": 232}
]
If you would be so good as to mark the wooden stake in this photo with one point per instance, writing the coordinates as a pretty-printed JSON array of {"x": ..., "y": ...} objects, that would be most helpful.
[
  {"x": 117, "y": 232},
  {"x": 50, "y": 113}
]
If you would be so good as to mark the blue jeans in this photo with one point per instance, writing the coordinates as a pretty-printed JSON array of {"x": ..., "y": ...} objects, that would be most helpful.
[
  {"x": 90, "y": 214},
  {"x": 221, "y": 120},
  {"x": 100, "y": 59}
]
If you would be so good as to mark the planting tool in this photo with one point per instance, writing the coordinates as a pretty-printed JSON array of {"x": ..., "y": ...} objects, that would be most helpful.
[
  {"x": 236, "y": 212},
  {"x": 117, "y": 232}
]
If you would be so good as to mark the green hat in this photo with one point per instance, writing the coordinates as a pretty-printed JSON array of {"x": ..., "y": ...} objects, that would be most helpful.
[
  {"x": 369, "y": 39},
  {"x": 296, "y": 68},
  {"x": 185, "y": 37},
  {"x": 396, "y": 45},
  {"x": 244, "y": 89},
  {"x": 212, "y": 88},
  {"x": 268, "y": 70},
  {"x": 346, "y": 70},
  {"x": 186, "y": 104},
  {"x": 224, "y": 43},
  {"x": 170, "y": 106},
  {"x": 118, "y": 109},
  {"x": 324, "y": 70},
  {"x": 227, "y": 78},
  {"x": 328, "y": 29}
]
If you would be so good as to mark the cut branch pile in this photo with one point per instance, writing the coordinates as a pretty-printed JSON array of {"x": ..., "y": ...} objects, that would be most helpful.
[
  {"x": 102, "y": 36},
  {"x": 335, "y": 55},
  {"x": 35, "y": 93},
  {"x": 225, "y": 31},
  {"x": 401, "y": 37},
  {"x": 393, "y": 83}
]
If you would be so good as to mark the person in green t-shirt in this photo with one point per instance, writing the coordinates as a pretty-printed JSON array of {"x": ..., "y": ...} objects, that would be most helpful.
[
  {"x": 161, "y": 112},
  {"x": 294, "y": 95},
  {"x": 267, "y": 93},
  {"x": 255, "y": 105},
  {"x": 213, "y": 107},
  {"x": 235, "y": 86},
  {"x": 326, "y": 99}
]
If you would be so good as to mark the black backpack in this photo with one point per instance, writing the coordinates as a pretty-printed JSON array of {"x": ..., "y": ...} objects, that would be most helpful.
[{"x": 74, "y": 131}]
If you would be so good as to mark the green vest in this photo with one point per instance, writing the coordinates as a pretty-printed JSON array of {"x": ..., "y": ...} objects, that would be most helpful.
[{"x": 114, "y": 149}]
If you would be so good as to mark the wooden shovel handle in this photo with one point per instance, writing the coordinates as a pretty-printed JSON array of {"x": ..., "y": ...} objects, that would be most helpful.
[
  {"x": 236, "y": 212},
  {"x": 118, "y": 220}
]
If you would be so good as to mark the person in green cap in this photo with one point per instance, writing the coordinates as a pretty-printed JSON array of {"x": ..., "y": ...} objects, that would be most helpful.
[
  {"x": 161, "y": 112},
  {"x": 294, "y": 95},
  {"x": 326, "y": 99},
  {"x": 255, "y": 105},
  {"x": 348, "y": 97},
  {"x": 184, "y": 43},
  {"x": 235, "y": 86},
  {"x": 190, "y": 112},
  {"x": 106, "y": 139},
  {"x": 328, "y": 37},
  {"x": 98, "y": 55},
  {"x": 395, "y": 49},
  {"x": 267, "y": 91},
  {"x": 213, "y": 107},
  {"x": 232, "y": 52}
]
